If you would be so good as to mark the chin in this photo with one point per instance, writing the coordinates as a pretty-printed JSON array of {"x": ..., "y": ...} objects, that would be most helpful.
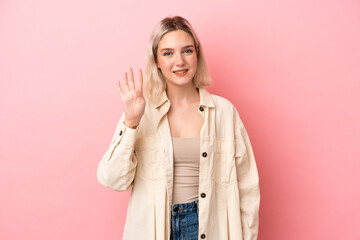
[{"x": 177, "y": 82}]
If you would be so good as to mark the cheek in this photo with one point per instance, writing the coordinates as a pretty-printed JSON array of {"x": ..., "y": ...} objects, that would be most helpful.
[
  {"x": 164, "y": 63},
  {"x": 193, "y": 61}
]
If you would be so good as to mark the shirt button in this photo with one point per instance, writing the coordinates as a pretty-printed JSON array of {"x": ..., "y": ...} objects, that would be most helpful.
[
  {"x": 203, "y": 195},
  {"x": 121, "y": 132},
  {"x": 203, "y": 236},
  {"x": 204, "y": 154},
  {"x": 201, "y": 108}
]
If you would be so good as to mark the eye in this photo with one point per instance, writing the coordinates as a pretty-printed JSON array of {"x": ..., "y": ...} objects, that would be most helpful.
[
  {"x": 188, "y": 51},
  {"x": 167, "y": 53}
]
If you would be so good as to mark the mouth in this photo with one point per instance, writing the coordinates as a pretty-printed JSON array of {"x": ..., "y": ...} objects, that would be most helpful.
[{"x": 181, "y": 72}]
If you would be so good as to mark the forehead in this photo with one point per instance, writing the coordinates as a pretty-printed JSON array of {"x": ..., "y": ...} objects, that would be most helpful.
[{"x": 175, "y": 39}]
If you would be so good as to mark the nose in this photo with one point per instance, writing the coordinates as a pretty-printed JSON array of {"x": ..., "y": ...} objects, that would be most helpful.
[{"x": 179, "y": 60}]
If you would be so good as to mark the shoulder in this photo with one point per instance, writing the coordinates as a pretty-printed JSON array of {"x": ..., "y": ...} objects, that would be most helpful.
[
  {"x": 226, "y": 110},
  {"x": 222, "y": 103}
]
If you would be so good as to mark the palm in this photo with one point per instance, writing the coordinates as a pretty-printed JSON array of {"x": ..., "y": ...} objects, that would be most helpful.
[
  {"x": 132, "y": 97},
  {"x": 133, "y": 104}
]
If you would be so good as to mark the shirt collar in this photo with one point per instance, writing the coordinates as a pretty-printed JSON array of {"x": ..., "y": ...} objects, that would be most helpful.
[{"x": 205, "y": 98}]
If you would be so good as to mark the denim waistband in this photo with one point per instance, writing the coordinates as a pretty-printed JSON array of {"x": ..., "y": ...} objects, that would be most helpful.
[{"x": 184, "y": 208}]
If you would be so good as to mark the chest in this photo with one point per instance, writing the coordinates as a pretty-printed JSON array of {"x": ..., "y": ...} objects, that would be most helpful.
[{"x": 185, "y": 122}]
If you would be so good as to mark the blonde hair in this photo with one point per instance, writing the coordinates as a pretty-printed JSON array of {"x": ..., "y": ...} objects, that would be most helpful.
[{"x": 154, "y": 83}]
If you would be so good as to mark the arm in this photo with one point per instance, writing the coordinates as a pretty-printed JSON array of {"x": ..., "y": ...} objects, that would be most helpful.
[
  {"x": 117, "y": 167},
  {"x": 248, "y": 181}
]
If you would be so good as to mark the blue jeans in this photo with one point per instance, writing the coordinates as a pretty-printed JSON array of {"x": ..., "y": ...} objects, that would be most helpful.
[{"x": 185, "y": 221}]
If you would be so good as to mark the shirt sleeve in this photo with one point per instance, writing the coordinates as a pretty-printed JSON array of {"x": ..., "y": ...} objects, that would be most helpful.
[
  {"x": 248, "y": 181},
  {"x": 117, "y": 167}
]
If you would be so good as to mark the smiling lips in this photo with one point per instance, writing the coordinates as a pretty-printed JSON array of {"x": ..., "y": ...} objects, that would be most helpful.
[{"x": 181, "y": 72}]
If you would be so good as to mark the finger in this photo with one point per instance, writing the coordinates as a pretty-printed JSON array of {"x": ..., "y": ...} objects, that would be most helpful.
[
  {"x": 119, "y": 89},
  {"x": 140, "y": 81},
  {"x": 131, "y": 80},
  {"x": 126, "y": 82}
]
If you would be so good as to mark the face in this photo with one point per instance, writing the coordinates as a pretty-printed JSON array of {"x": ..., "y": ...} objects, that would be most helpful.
[{"x": 177, "y": 58}]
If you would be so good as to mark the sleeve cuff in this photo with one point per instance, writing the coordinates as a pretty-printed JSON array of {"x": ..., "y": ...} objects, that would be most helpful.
[{"x": 126, "y": 135}]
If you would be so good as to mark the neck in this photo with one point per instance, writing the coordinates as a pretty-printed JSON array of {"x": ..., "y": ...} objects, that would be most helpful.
[{"x": 182, "y": 94}]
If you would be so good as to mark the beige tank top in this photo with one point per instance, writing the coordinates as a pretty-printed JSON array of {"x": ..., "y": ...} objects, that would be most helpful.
[{"x": 186, "y": 169}]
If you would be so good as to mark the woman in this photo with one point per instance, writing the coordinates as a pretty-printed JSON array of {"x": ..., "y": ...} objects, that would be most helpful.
[{"x": 183, "y": 152}]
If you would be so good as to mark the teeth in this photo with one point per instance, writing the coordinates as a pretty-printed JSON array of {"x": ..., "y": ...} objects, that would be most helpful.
[{"x": 180, "y": 71}]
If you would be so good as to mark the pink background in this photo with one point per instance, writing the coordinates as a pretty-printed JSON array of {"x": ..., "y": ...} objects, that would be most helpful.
[{"x": 290, "y": 67}]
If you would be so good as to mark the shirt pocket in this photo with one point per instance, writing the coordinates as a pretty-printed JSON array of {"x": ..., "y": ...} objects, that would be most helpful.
[
  {"x": 146, "y": 154},
  {"x": 224, "y": 161}
]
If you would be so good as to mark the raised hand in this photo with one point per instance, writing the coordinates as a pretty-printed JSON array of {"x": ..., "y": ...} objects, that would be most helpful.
[{"x": 132, "y": 99}]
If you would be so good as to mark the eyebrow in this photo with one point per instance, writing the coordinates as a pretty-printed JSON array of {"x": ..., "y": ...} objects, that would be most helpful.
[{"x": 168, "y": 49}]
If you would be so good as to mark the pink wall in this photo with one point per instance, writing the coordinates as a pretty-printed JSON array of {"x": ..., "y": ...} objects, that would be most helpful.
[{"x": 290, "y": 67}]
